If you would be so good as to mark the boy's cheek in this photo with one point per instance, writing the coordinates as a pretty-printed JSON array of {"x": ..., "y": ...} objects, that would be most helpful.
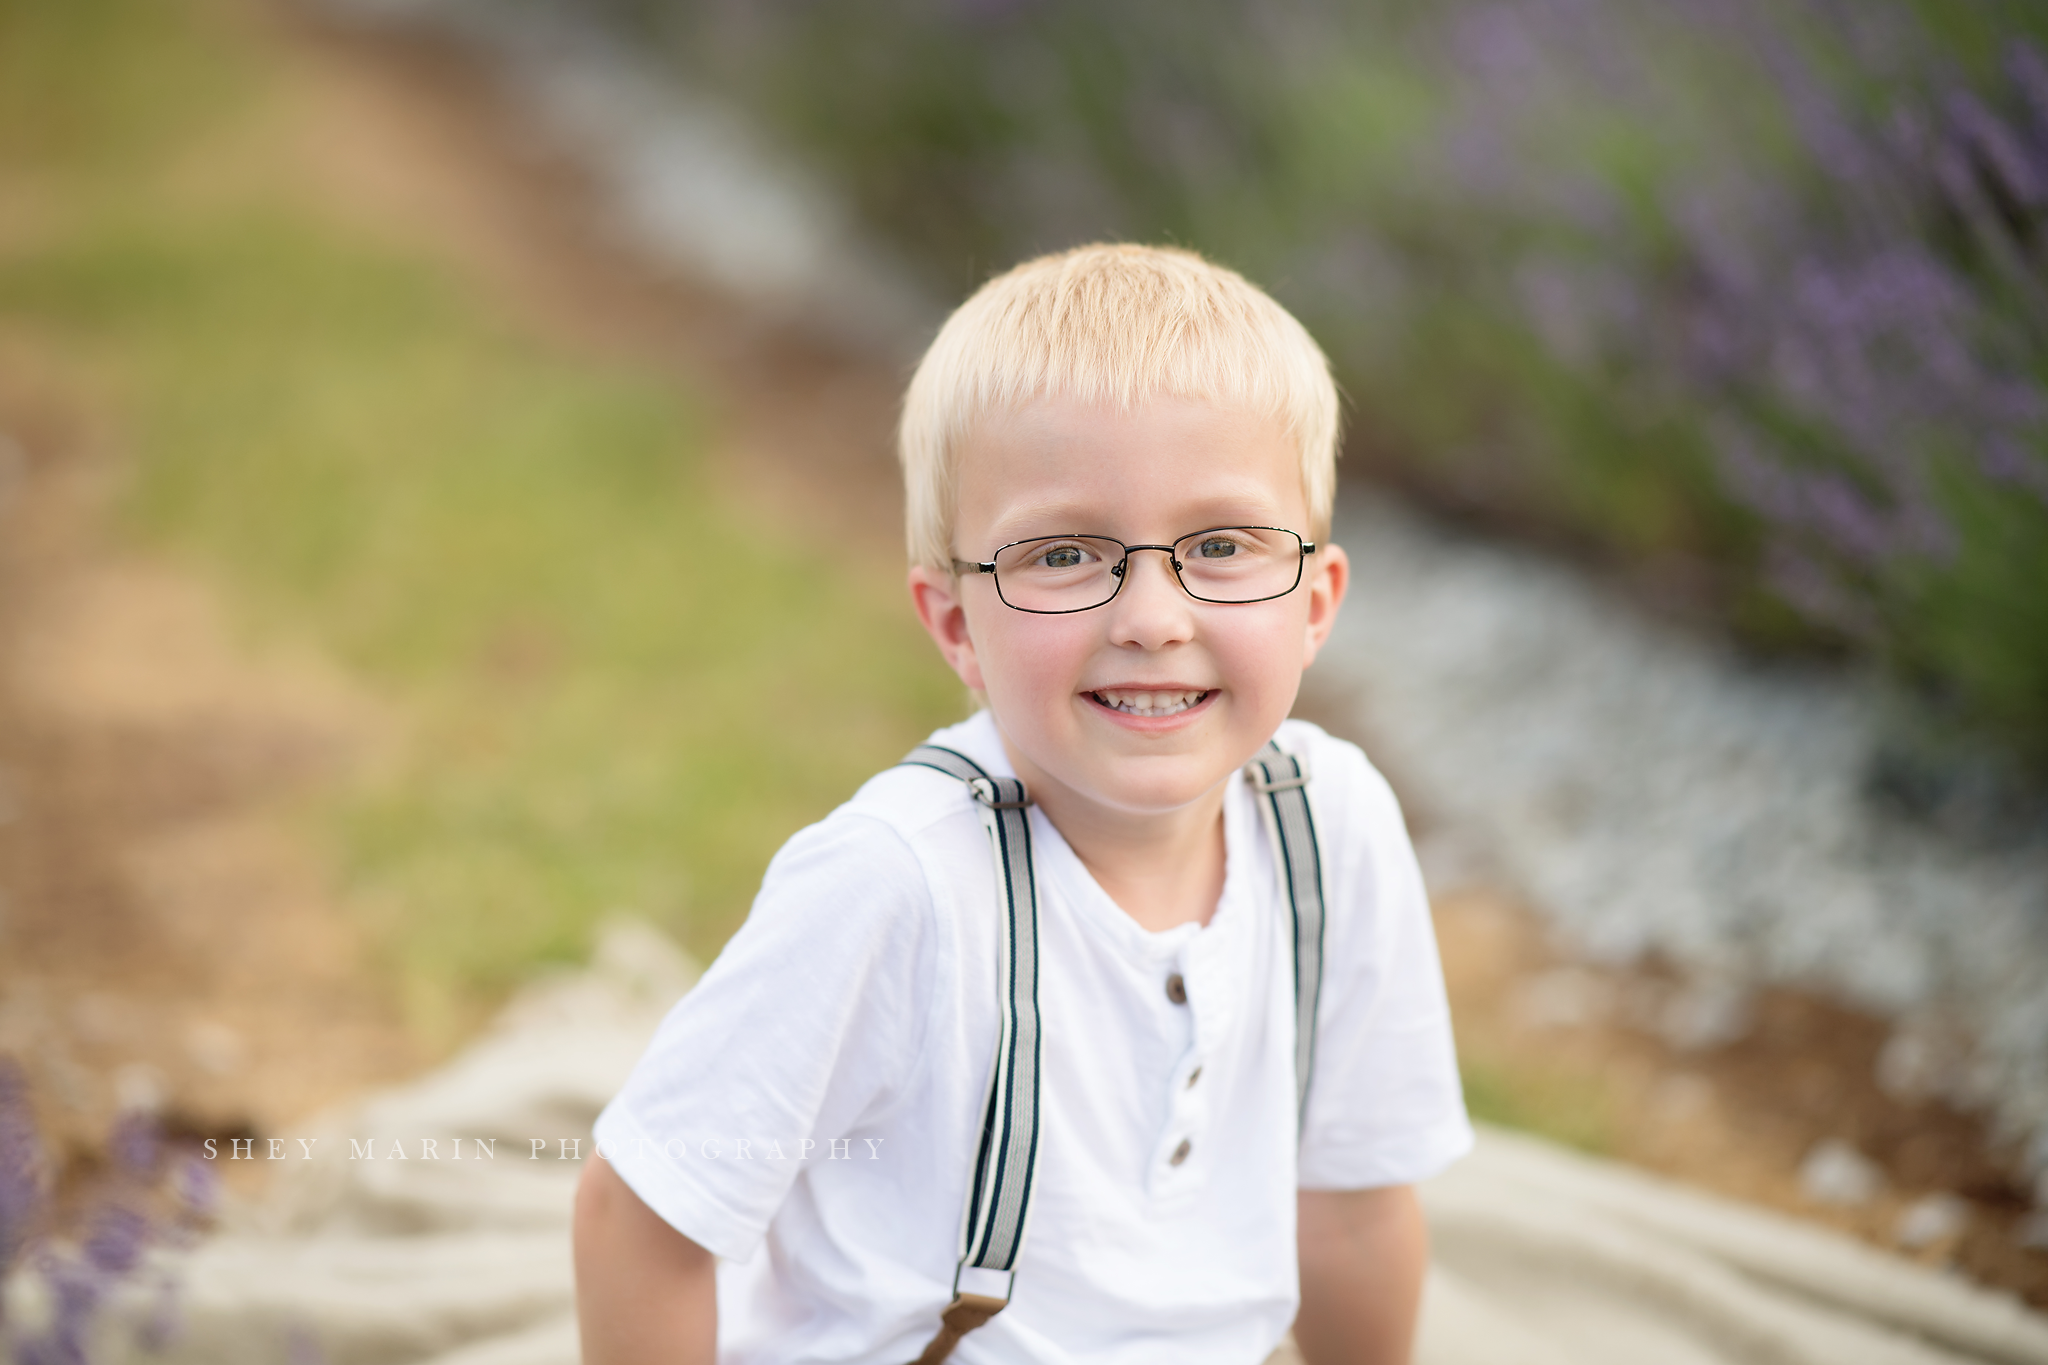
[
  {"x": 1029, "y": 675},
  {"x": 1264, "y": 657}
]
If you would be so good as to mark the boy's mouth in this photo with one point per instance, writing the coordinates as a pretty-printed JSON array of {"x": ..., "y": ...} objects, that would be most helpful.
[{"x": 1150, "y": 703}]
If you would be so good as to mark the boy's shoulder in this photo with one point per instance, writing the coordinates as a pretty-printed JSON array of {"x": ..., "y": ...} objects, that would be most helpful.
[
  {"x": 916, "y": 801},
  {"x": 898, "y": 838},
  {"x": 1358, "y": 820},
  {"x": 911, "y": 800},
  {"x": 1337, "y": 768}
]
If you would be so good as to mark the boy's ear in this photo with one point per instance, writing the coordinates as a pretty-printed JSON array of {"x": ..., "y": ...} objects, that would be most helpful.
[
  {"x": 937, "y": 598},
  {"x": 1326, "y": 585}
]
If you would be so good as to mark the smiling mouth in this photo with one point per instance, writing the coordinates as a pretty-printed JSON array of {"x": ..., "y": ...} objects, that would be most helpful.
[{"x": 1150, "y": 704}]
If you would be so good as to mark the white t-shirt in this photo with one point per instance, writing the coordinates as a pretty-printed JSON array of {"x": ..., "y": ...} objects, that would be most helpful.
[{"x": 856, "y": 1011}]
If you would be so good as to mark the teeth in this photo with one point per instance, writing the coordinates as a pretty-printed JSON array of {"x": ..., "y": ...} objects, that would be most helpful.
[{"x": 1149, "y": 703}]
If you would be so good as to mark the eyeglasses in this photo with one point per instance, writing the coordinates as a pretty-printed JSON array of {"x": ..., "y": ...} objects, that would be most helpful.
[{"x": 1053, "y": 575}]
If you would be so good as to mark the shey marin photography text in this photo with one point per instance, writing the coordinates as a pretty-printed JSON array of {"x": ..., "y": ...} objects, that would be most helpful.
[{"x": 538, "y": 1148}]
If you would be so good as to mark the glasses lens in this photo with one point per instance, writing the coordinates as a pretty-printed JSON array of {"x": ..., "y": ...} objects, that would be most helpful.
[
  {"x": 1239, "y": 563},
  {"x": 1062, "y": 573}
]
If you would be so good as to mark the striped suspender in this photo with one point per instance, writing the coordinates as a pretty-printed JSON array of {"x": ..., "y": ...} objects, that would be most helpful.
[
  {"x": 1282, "y": 780},
  {"x": 999, "y": 1200},
  {"x": 992, "y": 1229}
]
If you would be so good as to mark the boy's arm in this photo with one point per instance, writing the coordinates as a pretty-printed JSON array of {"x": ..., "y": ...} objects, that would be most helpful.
[
  {"x": 645, "y": 1294},
  {"x": 1363, "y": 1253}
]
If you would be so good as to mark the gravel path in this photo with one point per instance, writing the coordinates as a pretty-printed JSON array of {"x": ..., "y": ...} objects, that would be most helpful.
[
  {"x": 693, "y": 185},
  {"x": 1651, "y": 794}
]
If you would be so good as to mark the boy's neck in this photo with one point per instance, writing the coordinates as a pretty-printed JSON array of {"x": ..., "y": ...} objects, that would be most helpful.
[{"x": 1161, "y": 868}]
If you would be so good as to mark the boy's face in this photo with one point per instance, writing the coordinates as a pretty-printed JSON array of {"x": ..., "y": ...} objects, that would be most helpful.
[{"x": 1063, "y": 688}]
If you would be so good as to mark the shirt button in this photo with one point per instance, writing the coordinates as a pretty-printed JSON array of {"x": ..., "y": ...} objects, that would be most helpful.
[
  {"x": 1194, "y": 1076},
  {"x": 1177, "y": 989},
  {"x": 1180, "y": 1153}
]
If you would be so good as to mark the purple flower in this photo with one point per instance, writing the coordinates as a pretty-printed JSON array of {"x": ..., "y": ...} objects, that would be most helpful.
[
  {"x": 196, "y": 1187},
  {"x": 1846, "y": 520},
  {"x": 1496, "y": 43},
  {"x": 1755, "y": 478},
  {"x": 24, "y": 1184},
  {"x": 1997, "y": 148},
  {"x": 75, "y": 1294},
  {"x": 114, "y": 1230},
  {"x": 1818, "y": 591},
  {"x": 135, "y": 1145},
  {"x": 2029, "y": 74},
  {"x": 2004, "y": 460},
  {"x": 115, "y": 1239}
]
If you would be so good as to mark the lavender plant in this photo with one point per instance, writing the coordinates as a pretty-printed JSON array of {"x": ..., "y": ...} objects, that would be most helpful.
[
  {"x": 149, "y": 1197},
  {"x": 24, "y": 1179},
  {"x": 1878, "y": 385},
  {"x": 1756, "y": 289}
]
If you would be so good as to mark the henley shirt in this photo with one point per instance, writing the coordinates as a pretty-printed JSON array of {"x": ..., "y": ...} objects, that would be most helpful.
[{"x": 810, "y": 1112}]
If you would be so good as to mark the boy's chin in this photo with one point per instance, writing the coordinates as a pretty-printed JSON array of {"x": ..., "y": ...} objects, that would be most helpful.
[{"x": 1155, "y": 784}]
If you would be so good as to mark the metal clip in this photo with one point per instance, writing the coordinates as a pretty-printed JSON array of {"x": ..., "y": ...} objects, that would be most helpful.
[
  {"x": 984, "y": 790},
  {"x": 983, "y": 1275},
  {"x": 1257, "y": 775}
]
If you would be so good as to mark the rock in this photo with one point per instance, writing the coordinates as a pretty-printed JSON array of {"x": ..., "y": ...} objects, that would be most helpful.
[
  {"x": 1923, "y": 1060},
  {"x": 1706, "y": 1013},
  {"x": 140, "y": 1088},
  {"x": 1836, "y": 1173},
  {"x": 1930, "y": 1219}
]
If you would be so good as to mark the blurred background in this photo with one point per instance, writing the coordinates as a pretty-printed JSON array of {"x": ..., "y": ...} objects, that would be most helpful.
[{"x": 446, "y": 502}]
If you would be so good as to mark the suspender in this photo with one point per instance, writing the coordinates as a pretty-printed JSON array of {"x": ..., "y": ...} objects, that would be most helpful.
[
  {"x": 1282, "y": 779},
  {"x": 992, "y": 1228},
  {"x": 999, "y": 1199}
]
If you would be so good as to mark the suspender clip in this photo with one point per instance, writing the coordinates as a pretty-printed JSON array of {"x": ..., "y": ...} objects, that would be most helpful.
[
  {"x": 984, "y": 1282},
  {"x": 1260, "y": 785},
  {"x": 984, "y": 791}
]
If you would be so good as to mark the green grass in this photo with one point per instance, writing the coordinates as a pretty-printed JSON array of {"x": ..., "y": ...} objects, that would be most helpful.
[
  {"x": 1572, "y": 1110},
  {"x": 619, "y": 689}
]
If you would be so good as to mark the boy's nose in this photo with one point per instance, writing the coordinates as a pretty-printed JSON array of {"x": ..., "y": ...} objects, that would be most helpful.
[
  {"x": 1131, "y": 571},
  {"x": 1172, "y": 561},
  {"x": 1150, "y": 608}
]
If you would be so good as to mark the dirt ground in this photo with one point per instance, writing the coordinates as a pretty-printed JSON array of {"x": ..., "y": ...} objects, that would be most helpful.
[
  {"x": 1738, "y": 1117},
  {"x": 168, "y": 933},
  {"x": 168, "y": 936}
]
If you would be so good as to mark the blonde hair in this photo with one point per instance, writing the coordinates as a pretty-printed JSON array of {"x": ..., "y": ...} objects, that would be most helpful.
[{"x": 1114, "y": 324}]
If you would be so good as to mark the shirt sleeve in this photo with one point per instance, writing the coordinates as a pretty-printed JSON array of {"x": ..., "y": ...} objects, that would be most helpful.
[
  {"x": 1385, "y": 1106},
  {"x": 803, "y": 1029}
]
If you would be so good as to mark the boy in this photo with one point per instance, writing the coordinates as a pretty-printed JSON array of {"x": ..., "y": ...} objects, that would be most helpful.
[{"x": 1119, "y": 465}]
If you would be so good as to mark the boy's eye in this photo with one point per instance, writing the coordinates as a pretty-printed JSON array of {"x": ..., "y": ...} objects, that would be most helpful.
[
  {"x": 1216, "y": 547},
  {"x": 1061, "y": 557}
]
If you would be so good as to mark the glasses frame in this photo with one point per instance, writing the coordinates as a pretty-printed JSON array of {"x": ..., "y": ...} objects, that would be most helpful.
[{"x": 1117, "y": 570}]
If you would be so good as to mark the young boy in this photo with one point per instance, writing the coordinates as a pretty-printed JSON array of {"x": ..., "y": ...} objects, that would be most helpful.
[{"x": 1120, "y": 468}]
